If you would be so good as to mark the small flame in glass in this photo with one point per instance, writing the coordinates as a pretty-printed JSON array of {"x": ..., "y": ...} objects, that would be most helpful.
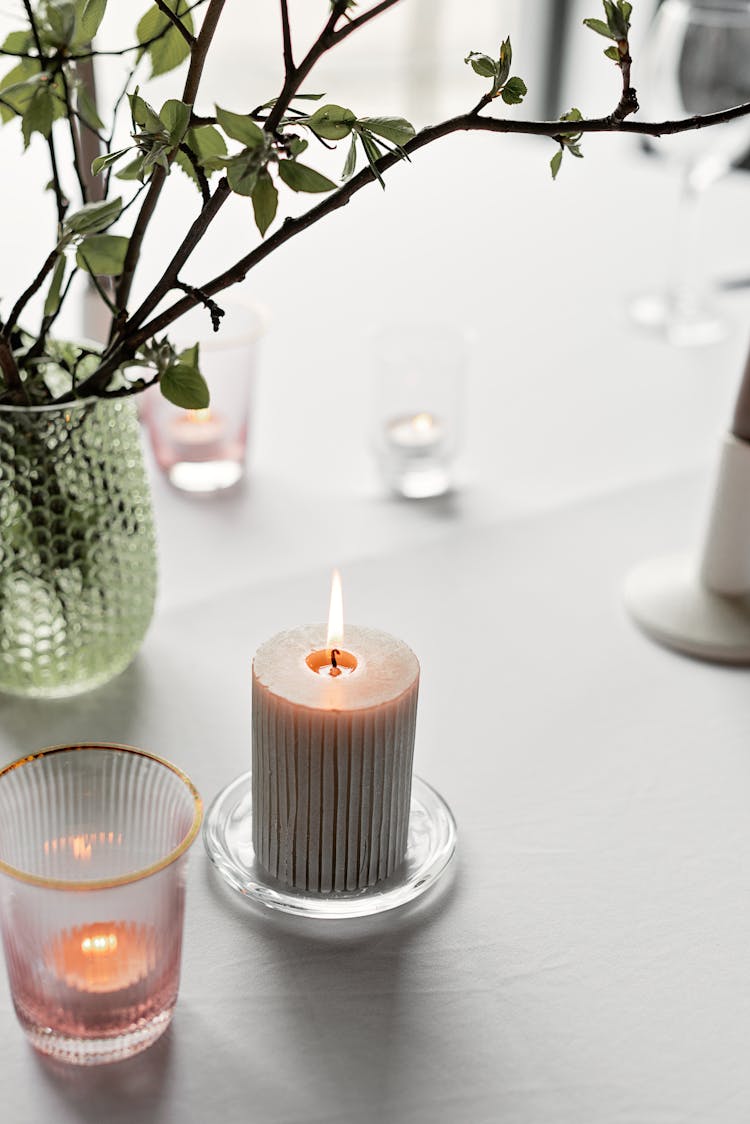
[
  {"x": 423, "y": 423},
  {"x": 199, "y": 417},
  {"x": 335, "y": 614}
]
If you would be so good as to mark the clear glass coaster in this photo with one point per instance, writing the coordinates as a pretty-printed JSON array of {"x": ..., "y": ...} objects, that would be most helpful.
[{"x": 228, "y": 836}]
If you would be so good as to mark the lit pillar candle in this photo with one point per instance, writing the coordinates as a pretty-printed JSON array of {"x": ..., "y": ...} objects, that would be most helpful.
[{"x": 334, "y": 719}]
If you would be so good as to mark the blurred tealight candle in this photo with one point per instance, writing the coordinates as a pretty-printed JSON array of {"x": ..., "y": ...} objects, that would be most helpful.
[{"x": 422, "y": 433}]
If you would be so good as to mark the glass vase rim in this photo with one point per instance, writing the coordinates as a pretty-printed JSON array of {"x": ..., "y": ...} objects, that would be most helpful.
[
  {"x": 69, "y": 884},
  {"x": 47, "y": 407}
]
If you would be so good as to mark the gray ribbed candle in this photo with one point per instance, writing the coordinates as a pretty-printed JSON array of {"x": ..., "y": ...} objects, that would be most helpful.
[{"x": 332, "y": 759}]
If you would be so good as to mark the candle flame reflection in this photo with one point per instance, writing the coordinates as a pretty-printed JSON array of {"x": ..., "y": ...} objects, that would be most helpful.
[
  {"x": 198, "y": 417},
  {"x": 335, "y": 614}
]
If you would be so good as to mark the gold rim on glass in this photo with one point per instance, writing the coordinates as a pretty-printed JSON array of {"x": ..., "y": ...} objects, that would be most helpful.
[{"x": 124, "y": 879}]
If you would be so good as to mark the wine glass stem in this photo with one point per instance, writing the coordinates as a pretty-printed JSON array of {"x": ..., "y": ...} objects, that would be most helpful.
[{"x": 683, "y": 287}]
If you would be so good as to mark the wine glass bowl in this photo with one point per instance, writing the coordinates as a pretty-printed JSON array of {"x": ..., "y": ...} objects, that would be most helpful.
[{"x": 696, "y": 63}]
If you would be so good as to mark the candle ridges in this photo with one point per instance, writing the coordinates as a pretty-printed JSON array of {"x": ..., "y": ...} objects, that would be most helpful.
[{"x": 331, "y": 791}]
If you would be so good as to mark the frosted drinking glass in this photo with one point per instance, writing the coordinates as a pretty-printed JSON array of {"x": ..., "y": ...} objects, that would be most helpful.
[{"x": 93, "y": 853}]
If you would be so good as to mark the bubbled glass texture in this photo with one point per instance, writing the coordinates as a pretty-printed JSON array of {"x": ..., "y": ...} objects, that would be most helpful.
[{"x": 77, "y": 546}]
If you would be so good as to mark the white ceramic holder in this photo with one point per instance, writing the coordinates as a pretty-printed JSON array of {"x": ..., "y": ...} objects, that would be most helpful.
[{"x": 701, "y": 606}]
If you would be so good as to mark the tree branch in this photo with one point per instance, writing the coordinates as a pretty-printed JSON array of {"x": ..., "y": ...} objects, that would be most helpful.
[
  {"x": 176, "y": 21},
  {"x": 131, "y": 340},
  {"x": 358, "y": 21},
  {"x": 29, "y": 291},
  {"x": 61, "y": 201},
  {"x": 286, "y": 32},
  {"x": 197, "y": 62}
]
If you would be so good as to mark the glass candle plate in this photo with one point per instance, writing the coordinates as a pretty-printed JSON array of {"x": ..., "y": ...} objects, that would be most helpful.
[{"x": 228, "y": 836}]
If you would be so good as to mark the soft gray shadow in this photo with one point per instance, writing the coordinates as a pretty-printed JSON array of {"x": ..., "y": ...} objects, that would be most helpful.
[
  {"x": 352, "y": 995},
  {"x": 106, "y": 714},
  {"x": 127, "y": 1091},
  {"x": 441, "y": 509}
]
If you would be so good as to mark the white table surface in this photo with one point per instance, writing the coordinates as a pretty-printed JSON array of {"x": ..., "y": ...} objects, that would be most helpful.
[{"x": 589, "y": 960}]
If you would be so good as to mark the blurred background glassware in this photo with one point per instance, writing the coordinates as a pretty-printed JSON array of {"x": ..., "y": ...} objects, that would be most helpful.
[
  {"x": 93, "y": 852},
  {"x": 419, "y": 375},
  {"x": 695, "y": 62},
  {"x": 204, "y": 451}
]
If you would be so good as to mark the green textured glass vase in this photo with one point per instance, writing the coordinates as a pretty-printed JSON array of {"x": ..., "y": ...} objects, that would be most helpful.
[{"x": 77, "y": 546}]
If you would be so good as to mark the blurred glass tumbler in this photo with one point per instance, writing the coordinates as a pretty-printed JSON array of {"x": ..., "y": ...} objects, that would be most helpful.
[
  {"x": 93, "y": 854},
  {"x": 203, "y": 451},
  {"x": 419, "y": 375}
]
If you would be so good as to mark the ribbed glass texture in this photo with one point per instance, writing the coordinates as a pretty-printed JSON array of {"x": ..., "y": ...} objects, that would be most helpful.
[
  {"x": 93, "y": 848},
  {"x": 77, "y": 547}
]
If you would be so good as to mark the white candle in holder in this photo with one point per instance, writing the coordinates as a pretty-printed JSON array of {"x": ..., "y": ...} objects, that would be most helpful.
[
  {"x": 421, "y": 434},
  {"x": 333, "y": 739}
]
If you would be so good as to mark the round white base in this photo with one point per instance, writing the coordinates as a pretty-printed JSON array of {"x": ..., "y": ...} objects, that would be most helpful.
[
  {"x": 667, "y": 600},
  {"x": 228, "y": 836}
]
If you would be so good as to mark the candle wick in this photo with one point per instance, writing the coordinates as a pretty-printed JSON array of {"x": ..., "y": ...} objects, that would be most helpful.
[{"x": 335, "y": 669}]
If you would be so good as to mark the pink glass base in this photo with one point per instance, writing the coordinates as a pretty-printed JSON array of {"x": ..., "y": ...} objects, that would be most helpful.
[
  {"x": 92, "y": 1023},
  {"x": 204, "y": 470}
]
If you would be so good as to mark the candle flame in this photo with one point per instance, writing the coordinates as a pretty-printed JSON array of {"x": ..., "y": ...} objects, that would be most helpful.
[
  {"x": 199, "y": 417},
  {"x": 101, "y": 942},
  {"x": 335, "y": 614},
  {"x": 423, "y": 422}
]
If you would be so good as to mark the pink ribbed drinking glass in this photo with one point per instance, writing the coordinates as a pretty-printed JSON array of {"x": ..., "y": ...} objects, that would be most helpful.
[{"x": 93, "y": 852}]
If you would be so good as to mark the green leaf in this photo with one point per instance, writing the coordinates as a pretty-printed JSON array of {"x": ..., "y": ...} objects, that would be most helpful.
[
  {"x": 86, "y": 108},
  {"x": 625, "y": 9},
  {"x": 93, "y": 217},
  {"x": 132, "y": 171},
  {"x": 613, "y": 53},
  {"x": 332, "y": 122},
  {"x": 351, "y": 160},
  {"x": 240, "y": 128},
  {"x": 190, "y": 356},
  {"x": 107, "y": 160},
  {"x": 481, "y": 64},
  {"x": 297, "y": 146},
  {"x": 61, "y": 23},
  {"x": 18, "y": 42},
  {"x": 145, "y": 115},
  {"x": 17, "y": 88},
  {"x": 503, "y": 68},
  {"x": 176, "y": 116},
  {"x": 52, "y": 303},
  {"x": 265, "y": 201},
  {"x": 514, "y": 91},
  {"x": 38, "y": 115},
  {"x": 572, "y": 115},
  {"x": 555, "y": 163},
  {"x": 170, "y": 48},
  {"x": 600, "y": 27},
  {"x": 184, "y": 386},
  {"x": 301, "y": 178},
  {"x": 208, "y": 145},
  {"x": 242, "y": 171},
  {"x": 394, "y": 129},
  {"x": 102, "y": 254},
  {"x": 90, "y": 15},
  {"x": 373, "y": 154}
]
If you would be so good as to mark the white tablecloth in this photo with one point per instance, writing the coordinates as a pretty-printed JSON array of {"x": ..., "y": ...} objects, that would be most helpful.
[{"x": 589, "y": 959}]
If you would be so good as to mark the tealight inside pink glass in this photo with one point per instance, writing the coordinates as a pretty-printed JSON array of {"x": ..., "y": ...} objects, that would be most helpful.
[
  {"x": 204, "y": 451},
  {"x": 93, "y": 851}
]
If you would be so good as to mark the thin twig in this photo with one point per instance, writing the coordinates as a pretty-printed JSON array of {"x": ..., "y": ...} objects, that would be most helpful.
[
  {"x": 286, "y": 32},
  {"x": 197, "y": 62},
  {"x": 175, "y": 20},
  {"x": 28, "y": 293},
  {"x": 61, "y": 201},
  {"x": 130, "y": 341}
]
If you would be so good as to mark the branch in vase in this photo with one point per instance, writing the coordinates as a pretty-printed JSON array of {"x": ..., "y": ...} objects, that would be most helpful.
[
  {"x": 175, "y": 20},
  {"x": 468, "y": 122},
  {"x": 192, "y": 82}
]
